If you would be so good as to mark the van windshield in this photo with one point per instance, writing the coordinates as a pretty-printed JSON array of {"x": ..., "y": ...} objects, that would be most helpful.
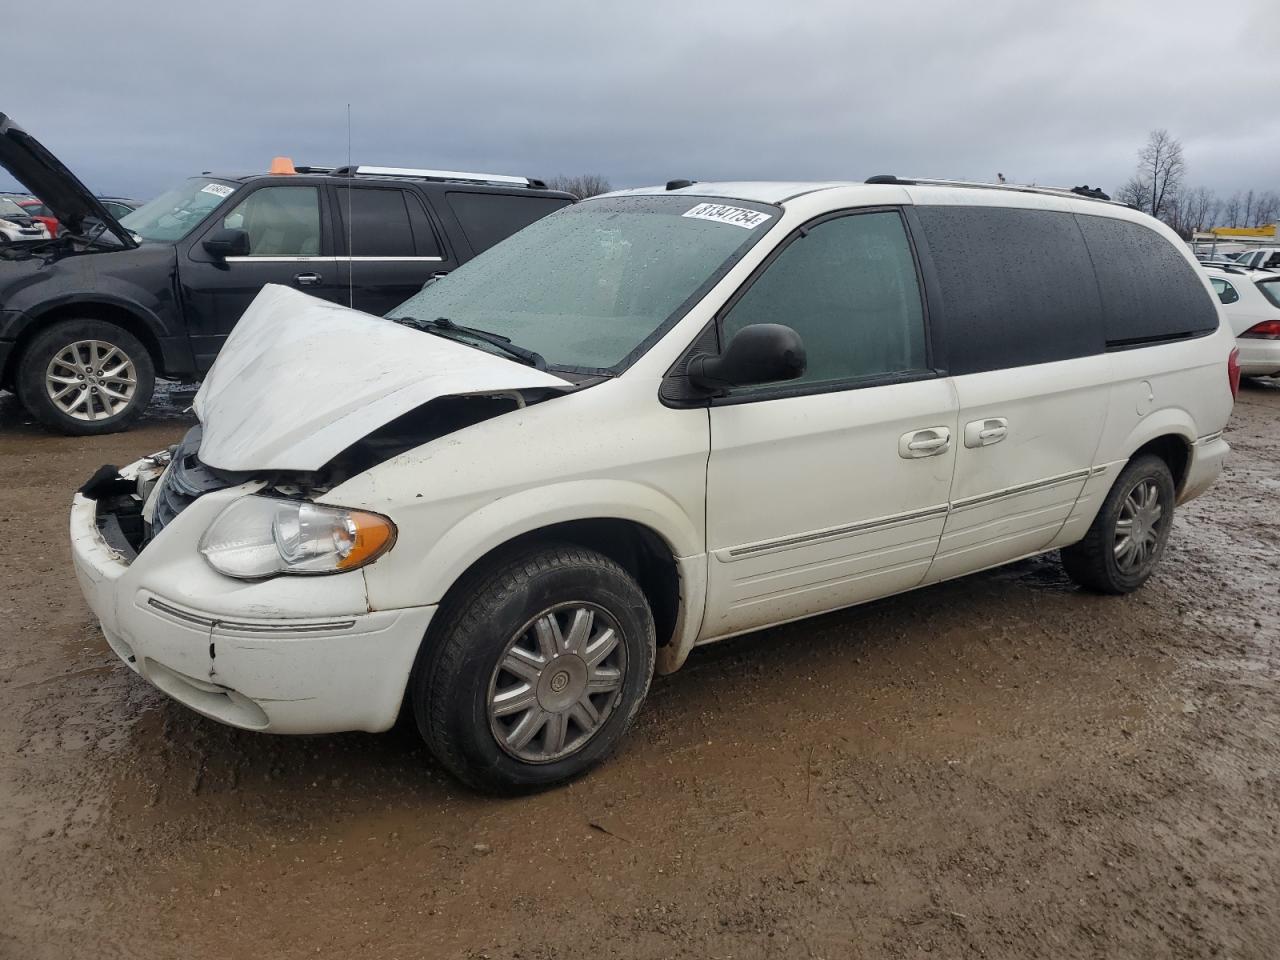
[
  {"x": 175, "y": 213},
  {"x": 592, "y": 285}
]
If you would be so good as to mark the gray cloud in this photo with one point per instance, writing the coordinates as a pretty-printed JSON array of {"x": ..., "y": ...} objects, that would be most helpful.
[{"x": 140, "y": 94}]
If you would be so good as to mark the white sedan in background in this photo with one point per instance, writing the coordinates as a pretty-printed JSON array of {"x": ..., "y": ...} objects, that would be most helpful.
[{"x": 1251, "y": 301}]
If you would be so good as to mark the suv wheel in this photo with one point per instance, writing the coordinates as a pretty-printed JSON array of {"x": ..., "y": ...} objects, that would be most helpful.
[
  {"x": 1129, "y": 534},
  {"x": 538, "y": 672},
  {"x": 85, "y": 377}
]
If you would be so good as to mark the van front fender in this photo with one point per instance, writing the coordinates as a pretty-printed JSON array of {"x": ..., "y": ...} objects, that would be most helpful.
[{"x": 403, "y": 581}]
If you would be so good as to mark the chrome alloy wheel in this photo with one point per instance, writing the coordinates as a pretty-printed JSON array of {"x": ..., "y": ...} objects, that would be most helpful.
[
  {"x": 557, "y": 682},
  {"x": 1138, "y": 527},
  {"x": 91, "y": 380}
]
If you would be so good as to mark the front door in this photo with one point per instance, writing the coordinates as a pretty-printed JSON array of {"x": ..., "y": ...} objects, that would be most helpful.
[
  {"x": 288, "y": 244},
  {"x": 831, "y": 489}
]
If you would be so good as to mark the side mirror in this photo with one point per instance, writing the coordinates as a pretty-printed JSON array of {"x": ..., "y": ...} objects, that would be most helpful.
[
  {"x": 760, "y": 353},
  {"x": 227, "y": 243}
]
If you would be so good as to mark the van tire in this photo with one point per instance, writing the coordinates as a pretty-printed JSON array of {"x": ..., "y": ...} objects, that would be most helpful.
[
  {"x": 1093, "y": 562},
  {"x": 456, "y": 682},
  {"x": 34, "y": 365}
]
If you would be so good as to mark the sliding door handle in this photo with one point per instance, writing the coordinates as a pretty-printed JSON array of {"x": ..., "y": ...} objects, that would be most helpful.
[{"x": 983, "y": 433}]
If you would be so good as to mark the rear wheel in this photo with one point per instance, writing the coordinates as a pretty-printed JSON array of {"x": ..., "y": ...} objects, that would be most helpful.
[
  {"x": 85, "y": 377},
  {"x": 1128, "y": 536},
  {"x": 537, "y": 671}
]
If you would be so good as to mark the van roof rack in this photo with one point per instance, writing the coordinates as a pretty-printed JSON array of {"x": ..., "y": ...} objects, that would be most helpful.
[
  {"x": 1086, "y": 192},
  {"x": 458, "y": 176}
]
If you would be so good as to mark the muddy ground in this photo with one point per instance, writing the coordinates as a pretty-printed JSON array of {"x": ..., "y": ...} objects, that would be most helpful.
[{"x": 1001, "y": 766}]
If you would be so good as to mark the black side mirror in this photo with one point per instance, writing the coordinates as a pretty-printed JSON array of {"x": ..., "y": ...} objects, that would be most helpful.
[
  {"x": 760, "y": 353},
  {"x": 227, "y": 243}
]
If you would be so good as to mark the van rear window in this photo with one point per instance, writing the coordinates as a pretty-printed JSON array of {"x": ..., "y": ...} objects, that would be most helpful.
[
  {"x": 1016, "y": 286},
  {"x": 1150, "y": 293},
  {"x": 489, "y": 218}
]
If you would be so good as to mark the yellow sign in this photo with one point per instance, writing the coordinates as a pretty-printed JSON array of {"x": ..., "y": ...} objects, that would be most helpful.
[{"x": 1268, "y": 231}]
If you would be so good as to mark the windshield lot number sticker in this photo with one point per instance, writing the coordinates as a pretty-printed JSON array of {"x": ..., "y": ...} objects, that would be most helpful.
[
  {"x": 217, "y": 189},
  {"x": 719, "y": 212}
]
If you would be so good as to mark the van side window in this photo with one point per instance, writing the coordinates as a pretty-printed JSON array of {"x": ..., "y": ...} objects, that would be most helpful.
[
  {"x": 280, "y": 221},
  {"x": 1016, "y": 286},
  {"x": 1225, "y": 291},
  {"x": 848, "y": 287},
  {"x": 1150, "y": 293},
  {"x": 489, "y": 218}
]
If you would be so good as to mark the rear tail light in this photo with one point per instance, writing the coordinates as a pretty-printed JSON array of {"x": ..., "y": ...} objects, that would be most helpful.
[
  {"x": 1233, "y": 372},
  {"x": 1266, "y": 330}
]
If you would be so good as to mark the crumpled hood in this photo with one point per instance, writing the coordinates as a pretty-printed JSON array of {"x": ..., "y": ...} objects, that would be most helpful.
[
  {"x": 300, "y": 379},
  {"x": 49, "y": 180}
]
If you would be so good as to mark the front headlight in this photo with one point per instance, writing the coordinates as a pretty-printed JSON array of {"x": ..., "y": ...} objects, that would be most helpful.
[{"x": 263, "y": 536}]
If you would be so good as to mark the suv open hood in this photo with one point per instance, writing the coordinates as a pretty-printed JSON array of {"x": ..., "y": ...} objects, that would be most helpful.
[
  {"x": 301, "y": 379},
  {"x": 48, "y": 179}
]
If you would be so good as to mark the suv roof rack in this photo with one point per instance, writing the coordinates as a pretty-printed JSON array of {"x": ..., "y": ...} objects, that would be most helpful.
[
  {"x": 448, "y": 175},
  {"x": 1086, "y": 192}
]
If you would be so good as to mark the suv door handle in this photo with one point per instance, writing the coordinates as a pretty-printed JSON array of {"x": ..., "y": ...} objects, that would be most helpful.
[
  {"x": 307, "y": 279},
  {"x": 983, "y": 433},
  {"x": 928, "y": 442}
]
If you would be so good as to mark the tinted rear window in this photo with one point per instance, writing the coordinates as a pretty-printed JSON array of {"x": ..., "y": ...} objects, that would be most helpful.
[
  {"x": 488, "y": 218},
  {"x": 1150, "y": 293},
  {"x": 1016, "y": 286},
  {"x": 379, "y": 222}
]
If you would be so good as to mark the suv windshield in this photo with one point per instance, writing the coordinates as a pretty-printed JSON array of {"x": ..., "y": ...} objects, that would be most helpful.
[
  {"x": 175, "y": 213},
  {"x": 590, "y": 285}
]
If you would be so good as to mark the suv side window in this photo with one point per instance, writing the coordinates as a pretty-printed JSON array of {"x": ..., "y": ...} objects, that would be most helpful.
[
  {"x": 1150, "y": 293},
  {"x": 848, "y": 287},
  {"x": 281, "y": 221},
  {"x": 1015, "y": 286},
  {"x": 380, "y": 223},
  {"x": 1225, "y": 291},
  {"x": 489, "y": 218}
]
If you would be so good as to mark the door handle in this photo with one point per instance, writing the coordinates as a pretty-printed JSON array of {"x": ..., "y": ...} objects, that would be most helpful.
[
  {"x": 307, "y": 279},
  {"x": 928, "y": 442},
  {"x": 983, "y": 433}
]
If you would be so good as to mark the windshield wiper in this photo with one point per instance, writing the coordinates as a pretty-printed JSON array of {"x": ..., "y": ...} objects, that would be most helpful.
[{"x": 444, "y": 327}]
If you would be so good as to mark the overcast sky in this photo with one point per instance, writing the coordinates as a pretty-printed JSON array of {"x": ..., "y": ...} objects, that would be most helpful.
[{"x": 136, "y": 95}]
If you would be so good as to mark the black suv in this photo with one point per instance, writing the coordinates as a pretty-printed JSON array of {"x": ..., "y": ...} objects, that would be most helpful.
[{"x": 90, "y": 318}]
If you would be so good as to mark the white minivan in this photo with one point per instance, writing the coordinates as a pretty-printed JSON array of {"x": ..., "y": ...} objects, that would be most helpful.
[{"x": 653, "y": 420}]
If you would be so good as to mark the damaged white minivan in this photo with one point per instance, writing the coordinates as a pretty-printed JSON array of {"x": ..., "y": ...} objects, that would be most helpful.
[{"x": 652, "y": 420}]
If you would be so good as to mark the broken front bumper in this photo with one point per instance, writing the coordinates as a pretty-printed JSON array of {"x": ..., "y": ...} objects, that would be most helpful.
[{"x": 285, "y": 655}]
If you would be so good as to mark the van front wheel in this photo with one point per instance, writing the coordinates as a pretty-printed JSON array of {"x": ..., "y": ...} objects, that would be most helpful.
[
  {"x": 537, "y": 671},
  {"x": 1128, "y": 536}
]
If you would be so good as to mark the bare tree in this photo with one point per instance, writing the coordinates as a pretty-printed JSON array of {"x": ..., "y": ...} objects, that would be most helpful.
[
  {"x": 1266, "y": 209},
  {"x": 1246, "y": 213},
  {"x": 1160, "y": 171},
  {"x": 1231, "y": 211},
  {"x": 582, "y": 185},
  {"x": 1135, "y": 193},
  {"x": 1202, "y": 210}
]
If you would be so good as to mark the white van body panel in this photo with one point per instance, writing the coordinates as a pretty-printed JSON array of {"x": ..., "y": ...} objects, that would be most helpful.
[{"x": 770, "y": 511}]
